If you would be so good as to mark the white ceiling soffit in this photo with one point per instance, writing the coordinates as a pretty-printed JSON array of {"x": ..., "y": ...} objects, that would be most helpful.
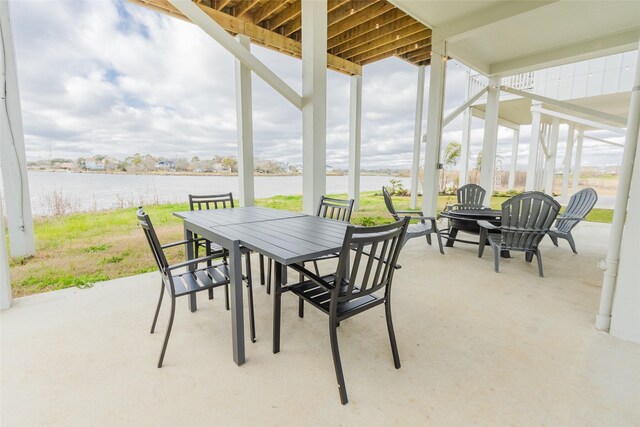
[{"x": 509, "y": 37}]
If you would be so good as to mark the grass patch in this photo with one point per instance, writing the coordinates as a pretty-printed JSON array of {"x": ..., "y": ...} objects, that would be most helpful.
[{"x": 84, "y": 248}]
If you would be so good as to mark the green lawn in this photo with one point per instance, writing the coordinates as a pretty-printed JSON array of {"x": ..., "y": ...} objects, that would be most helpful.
[{"x": 80, "y": 249}]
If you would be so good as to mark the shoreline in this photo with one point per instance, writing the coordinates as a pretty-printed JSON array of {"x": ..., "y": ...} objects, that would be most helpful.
[{"x": 168, "y": 173}]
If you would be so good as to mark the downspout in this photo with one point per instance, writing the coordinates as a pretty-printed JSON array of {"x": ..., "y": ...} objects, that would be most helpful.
[{"x": 603, "y": 319}]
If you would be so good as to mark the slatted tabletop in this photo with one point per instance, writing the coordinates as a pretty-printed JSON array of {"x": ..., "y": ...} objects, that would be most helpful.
[{"x": 285, "y": 237}]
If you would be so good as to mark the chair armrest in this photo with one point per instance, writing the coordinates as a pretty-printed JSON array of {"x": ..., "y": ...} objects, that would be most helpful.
[
  {"x": 569, "y": 218},
  {"x": 486, "y": 224},
  {"x": 419, "y": 213},
  {"x": 182, "y": 242},
  {"x": 195, "y": 261},
  {"x": 315, "y": 279},
  {"x": 424, "y": 218}
]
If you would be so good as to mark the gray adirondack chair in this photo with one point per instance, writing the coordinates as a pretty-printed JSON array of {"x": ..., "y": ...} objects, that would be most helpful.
[
  {"x": 579, "y": 206},
  {"x": 414, "y": 230},
  {"x": 470, "y": 196},
  {"x": 526, "y": 219}
]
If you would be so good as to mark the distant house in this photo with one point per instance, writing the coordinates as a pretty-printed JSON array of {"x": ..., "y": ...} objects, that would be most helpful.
[
  {"x": 165, "y": 165},
  {"x": 330, "y": 169},
  {"x": 93, "y": 165}
]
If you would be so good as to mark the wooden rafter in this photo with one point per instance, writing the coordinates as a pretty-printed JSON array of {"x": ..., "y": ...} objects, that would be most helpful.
[
  {"x": 295, "y": 24},
  {"x": 245, "y": 6},
  {"x": 412, "y": 40},
  {"x": 388, "y": 33},
  {"x": 289, "y": 13},
  {"x": 372, "y": 12},
  {"x": 398, "y": 48},
  {"x": 267, "y": 10},
  {"x": 362, "y": 29},
  {"x": 221, "y": 4}
]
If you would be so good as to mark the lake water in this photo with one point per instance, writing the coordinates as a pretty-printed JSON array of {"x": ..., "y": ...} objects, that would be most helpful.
[{"x": 88, "y": 191}]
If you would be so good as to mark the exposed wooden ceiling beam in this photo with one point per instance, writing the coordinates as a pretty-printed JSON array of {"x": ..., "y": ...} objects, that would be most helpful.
[
  {"x": 244, "y": 6},
  {"x": 221, "y": 4},
  {"x": 296, "y": 23},
  {"x": 365, "y": 28},
  {"x": 396, "y": 48},
  {"x": 291, "y": 11},
  {"x": 365, "y": 14},
  {"x": 404, "y": 27},
  {"x": 267, "y": 10},
  {"x": 395, "y": 38}
]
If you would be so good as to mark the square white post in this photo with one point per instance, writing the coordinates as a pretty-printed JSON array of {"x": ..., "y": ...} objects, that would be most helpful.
[
  {"x": 5, "y": 281},
  {"x": 514, "y": 159},
  {"x": 417, "y": 139},
  {"x": 575, "y": 182},
  {"x": 534, "y": 148},
  {"x": 568, "y": 151},
  {"x": 245, "y": 127},
  {"x": 437, "y": 79},
  {"x": 550, "y": 167},
  {"x": 490, "y": 142},
  {"x": 12, "y": 152},
  {"x": 355, "y": 129},
  {"x": 464, "y": 147},
  {"x": 314, "y": 102}
]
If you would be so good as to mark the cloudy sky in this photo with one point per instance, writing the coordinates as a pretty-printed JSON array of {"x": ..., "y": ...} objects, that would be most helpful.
[{"x": 108, "y": 77}]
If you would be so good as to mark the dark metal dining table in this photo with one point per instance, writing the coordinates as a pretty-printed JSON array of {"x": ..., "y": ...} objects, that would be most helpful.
[{"x": 285, "y": 237}]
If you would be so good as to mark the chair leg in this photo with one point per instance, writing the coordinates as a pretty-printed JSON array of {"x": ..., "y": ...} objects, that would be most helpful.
[
  {"x": 335, "y": 351},
  {"x": 315, "y": 267},
  {"x": 166, "y": 337},
  {"x": 252, "y": 322},
  {"x": 269, "y": 264},
  {"x": 571, "y": 243},
  {"x": 392, "y": 335},
  {"x": 539, "y": 258},
  {"x": 496, "y": 258},
  {"x": 554, "y": 239},
  {"x": 438, "y": 236},
  {"x": 300, "y": 300},
  {"x": 261, "y": 269},
  {"x": 428, "y": 236},
  {"x": 155, "y": 318},
  {"x": 226, "y": 297},
  {"x": 482, "y": 242}
]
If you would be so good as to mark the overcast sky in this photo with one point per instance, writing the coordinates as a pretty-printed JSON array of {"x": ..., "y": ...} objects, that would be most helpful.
[{"x": 108, "y": 77}]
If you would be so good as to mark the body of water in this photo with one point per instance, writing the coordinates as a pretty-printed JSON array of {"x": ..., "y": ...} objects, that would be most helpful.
[{"x": 51, "y": 191}]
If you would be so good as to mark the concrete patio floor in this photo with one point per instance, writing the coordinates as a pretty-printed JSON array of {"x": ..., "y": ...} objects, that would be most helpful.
[{"x": 476, "y": 348}]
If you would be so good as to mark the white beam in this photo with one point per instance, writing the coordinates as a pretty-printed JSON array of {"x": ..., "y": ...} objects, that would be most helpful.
[
  {"x": 550, "y": 167},
  {"x": 196, "y": 15},
  {"x": 314, "y": 109},
  {"x": 566, "y": 171},
  {"x": 5, "y": 280},
  {"x": 581, "y": 121},
  {"x": 490, "y": 15},
  {"x": 490, "y": 142},
  {"x": 12, "y": 151},
  {"x": 355, "y": 131},
  {"x": 593, "y": 138},
  {"x": 417, "y": 139},
  {"x": 464, "y": 106},
  {"x": 625, "y": 286},
  {"x": 567, "y": 105},
  {"x": 534, "y": 149},
  {"x": 464, "y": 148},
  {"x": 514, "y": 159},
  {"x": 501, "y": 121},
  {"x": 245, "y": 127},
  {"x": 575, "y": 182},
  {"x": 594, "y": 48},
  {"x": 437, "y": 77}
]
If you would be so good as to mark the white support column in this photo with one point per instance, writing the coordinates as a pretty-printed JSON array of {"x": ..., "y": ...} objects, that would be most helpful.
[
  {"x": 550, "y": 165},
  {"x": 490, "y": 142},
  {"x": 12, "y": 151},
  {"x": 575, "y": 182},
  {"x": 564, "y": 195},
  {"x": 417, "y": 139},
  {"x": 5, "y": 281},
  {"x": 355, "y": 129},
  {"x": 513, "y": 169},
  {"x": 245, "y": 127},
  {"x": 434, "y": 125},
  {"x": 534, "y": 149},
  {"x": 622, "y": 268},
  {"x": 314, "y": 102},
  {"x": 464, "y": 147}
]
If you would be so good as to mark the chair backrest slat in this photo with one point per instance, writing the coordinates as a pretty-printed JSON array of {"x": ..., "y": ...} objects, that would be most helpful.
[
  {"x": 470, "y": 196},
  {"x": 337, "y": 209},
  {"x": 381, "y": 244},
  {"x": 389, "y": 203},
  {"x": 526, "y": 218},
  {"x": 154, "y": 244},
  {"x": 210, "y": 201},
  {"x": 578, "y": 207}
]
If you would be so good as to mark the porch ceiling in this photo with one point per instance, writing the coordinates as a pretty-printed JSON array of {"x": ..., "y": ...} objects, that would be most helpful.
[{"x": 359, "y": 32}]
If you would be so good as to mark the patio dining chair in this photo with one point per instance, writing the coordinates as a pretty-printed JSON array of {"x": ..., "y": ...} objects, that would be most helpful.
[
  {"x": 218, "y": 201},
  {"x": 526, "y": 219},
  {"x": 189, "y": 282},
  {"x": 354, "y": 287},
  {"x": 414, "y": 230},
  {"x": 579, "y": 206}
]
